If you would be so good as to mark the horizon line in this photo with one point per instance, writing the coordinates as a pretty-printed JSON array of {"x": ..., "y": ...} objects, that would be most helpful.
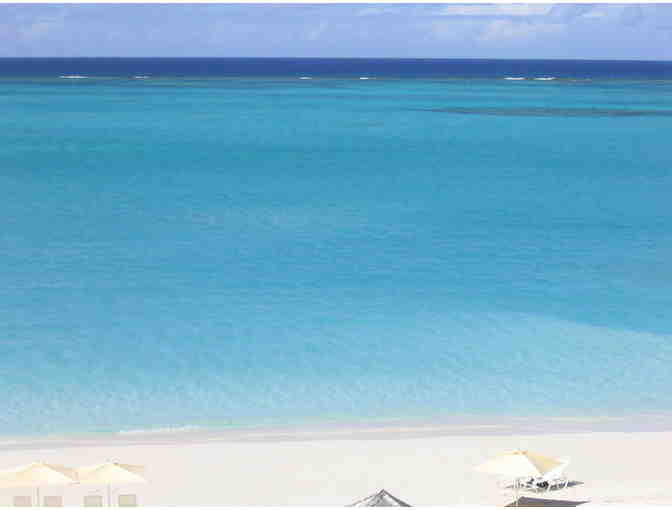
[{"x": 337, "y": 58}]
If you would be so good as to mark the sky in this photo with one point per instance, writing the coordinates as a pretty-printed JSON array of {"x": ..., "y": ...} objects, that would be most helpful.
[{"x": 573, "y": 31}]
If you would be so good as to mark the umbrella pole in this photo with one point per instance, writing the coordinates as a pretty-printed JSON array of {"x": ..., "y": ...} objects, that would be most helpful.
[
  {"x": 517, "y": 489},
  {"x": 38, "y": 496},
  {"x": 109, "y": 495}
]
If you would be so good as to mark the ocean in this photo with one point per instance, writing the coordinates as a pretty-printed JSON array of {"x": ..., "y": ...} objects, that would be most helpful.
[{"x": 222, "y": 243}]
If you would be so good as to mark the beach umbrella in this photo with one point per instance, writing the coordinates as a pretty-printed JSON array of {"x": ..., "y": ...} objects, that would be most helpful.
[
  {"x": 381, "y": 498},
  {"x": 519, "y": 464},
  {"x": 111, "y": 473},
  {"x": 37, "y": 474}
]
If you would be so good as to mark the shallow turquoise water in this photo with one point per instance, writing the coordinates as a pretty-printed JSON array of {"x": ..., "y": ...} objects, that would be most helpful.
[{"x": 245, "y": 251}]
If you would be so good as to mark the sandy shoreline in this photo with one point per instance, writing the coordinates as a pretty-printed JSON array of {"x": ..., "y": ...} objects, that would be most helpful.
[
  {"x": 379, "y": 429},
  {"x": 424, "y": 465}
]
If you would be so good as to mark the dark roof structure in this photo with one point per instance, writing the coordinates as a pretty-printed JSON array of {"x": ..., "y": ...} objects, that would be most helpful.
[{"x": 382, "y": 498}]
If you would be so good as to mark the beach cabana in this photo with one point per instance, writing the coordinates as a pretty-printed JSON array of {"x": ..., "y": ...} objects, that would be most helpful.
[
  {"x": 111, "y": 473},
  {"x": 519, "y": 464},
  {"x": 381, "y": 498},
  {"x": 37, "y": 474}
]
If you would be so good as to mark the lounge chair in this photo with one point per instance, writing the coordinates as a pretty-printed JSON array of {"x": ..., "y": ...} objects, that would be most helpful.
[
  {"x": 553, "y": 480},
  {"x": 22, "y": 501},
  {"x": 127, "y": 500},
  {"x": 52, "y": 501},
  {"x": 512, "y": 484},
  {"x": 93, "y": 500}
]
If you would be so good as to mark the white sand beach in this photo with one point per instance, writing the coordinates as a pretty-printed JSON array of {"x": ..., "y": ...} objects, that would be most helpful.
[{"x": 422, "y": 466}]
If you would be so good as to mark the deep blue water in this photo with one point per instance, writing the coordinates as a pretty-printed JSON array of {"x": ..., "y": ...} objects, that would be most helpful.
[
  {"x": 254, "y": 248},
  {"x": 335, "y": 68}
]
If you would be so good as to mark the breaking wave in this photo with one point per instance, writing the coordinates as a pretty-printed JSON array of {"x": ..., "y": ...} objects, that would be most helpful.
[
  {"x": 160, "y": 430},
  {"x": 551, "y": 112}
]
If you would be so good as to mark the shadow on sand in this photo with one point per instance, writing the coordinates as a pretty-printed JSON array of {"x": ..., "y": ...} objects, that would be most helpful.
[{"x": 528, "y": 502}]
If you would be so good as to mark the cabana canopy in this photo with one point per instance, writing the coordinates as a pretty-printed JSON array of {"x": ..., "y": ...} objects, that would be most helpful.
[{"x": 382, "y": 498}]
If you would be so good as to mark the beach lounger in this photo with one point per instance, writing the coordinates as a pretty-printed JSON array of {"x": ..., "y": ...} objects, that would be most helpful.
[
  {"x": 93, "y": 500},
  {"x": 52, "y": 501},
  {"x": 510, "y": 484},
  {"x": 127, "y": 500},
  {"x": 553, "y": 480},
  {"x": 22, "y": 501}
]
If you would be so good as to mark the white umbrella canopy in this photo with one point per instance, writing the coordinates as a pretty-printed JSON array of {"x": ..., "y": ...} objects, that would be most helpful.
[
  {"x": 519, "y": 464},
  {"x": 37, "y": 474},
  {"x": 109, "y": 473}
]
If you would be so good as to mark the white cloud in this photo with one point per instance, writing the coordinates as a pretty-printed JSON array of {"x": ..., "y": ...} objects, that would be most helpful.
[
  {"x": 41, "y": 27},
  {"x": 375, "y": 11},
  {"x": 225, "y": 31},
  {"x": 314, "y": 33},
  {"x": 659, "y": 15},
  {"x": 449, "y": 30},
  {"x": 503, "y": 30},
  {"x": 604, "y": 11},
  {"x": 497, "y": 10},
  {"x": 568, "y": 12},
  {"x": 632, "y": 15},
  {"x": 441, "y": 30},
  {"x": 594, "y": 14}
]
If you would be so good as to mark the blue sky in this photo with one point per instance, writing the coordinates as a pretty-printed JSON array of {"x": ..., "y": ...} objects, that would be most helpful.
[{"x": 609, "y": 31}]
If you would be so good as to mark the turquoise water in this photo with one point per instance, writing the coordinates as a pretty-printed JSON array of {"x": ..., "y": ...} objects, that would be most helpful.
[{"x": 222, "y": 252}]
